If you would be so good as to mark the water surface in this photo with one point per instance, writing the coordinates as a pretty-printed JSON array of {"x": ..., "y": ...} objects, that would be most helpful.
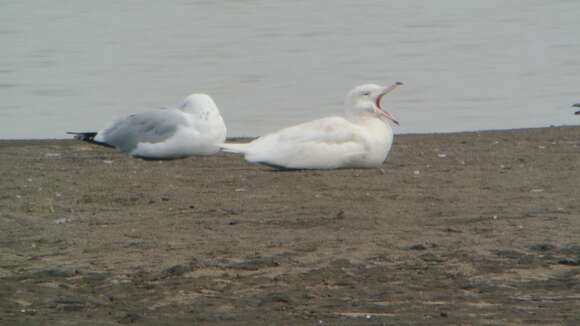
[{"x": 467, "y": 65}]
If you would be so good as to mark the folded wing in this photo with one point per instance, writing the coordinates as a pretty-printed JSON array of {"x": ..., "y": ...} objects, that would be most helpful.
[
  {"x": 147, "y": 127},
  {"x": 320, "y": 144}
]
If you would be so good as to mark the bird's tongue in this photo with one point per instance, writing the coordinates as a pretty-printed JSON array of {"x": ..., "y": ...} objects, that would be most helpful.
[{"x": 378, "y": 103}]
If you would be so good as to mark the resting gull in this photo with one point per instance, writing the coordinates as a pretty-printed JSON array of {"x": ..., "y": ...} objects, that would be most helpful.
[
  {"x": 360, "y": 139},
  {"x": 194, "y": 128}
]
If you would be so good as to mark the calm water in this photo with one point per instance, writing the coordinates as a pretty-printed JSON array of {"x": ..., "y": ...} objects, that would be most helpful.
[{"x": 467, "y": 65}]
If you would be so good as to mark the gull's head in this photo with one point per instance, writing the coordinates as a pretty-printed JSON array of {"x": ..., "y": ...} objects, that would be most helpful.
[
  {"x": 199, "y": 103},
  {"x": 366, "y": 99},
  {"x": 577, "y": 105}
]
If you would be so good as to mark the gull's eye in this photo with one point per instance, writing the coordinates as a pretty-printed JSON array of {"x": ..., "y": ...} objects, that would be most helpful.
[{"x": 366, "y": 93}]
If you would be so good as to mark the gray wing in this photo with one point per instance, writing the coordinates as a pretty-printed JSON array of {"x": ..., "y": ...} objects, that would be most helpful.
[{"x": 147, "y": 127}]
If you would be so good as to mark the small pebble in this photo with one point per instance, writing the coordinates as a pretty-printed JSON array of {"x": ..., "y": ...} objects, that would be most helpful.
[
  {"x": 63, "y": 220},
  {"x": 416, "y": 172},
  {"x": 569, "y": 262},
  {"x": 418, "y": 247}
]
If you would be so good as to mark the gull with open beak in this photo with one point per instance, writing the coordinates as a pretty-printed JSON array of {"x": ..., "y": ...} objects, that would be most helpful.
[{"x": 362, "y": 138}]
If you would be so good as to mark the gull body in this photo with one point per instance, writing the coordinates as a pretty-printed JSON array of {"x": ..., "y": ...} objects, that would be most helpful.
[
  {"x": 362, "y": 138},
  {"x": 194, "y": 128}
]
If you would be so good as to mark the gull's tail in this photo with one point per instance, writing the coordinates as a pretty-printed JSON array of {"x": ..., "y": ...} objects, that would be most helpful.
[
  {"x": 89, "y": 137},
  {"x": 234, "y": 148}
]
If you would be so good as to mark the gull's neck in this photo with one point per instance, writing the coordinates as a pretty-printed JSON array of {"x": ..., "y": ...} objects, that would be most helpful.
[
  {"x": 360, "y": 117},
  {"x": 370, "y": 121}
]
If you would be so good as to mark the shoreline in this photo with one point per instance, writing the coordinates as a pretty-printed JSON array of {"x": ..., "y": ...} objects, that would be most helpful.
[{"x": 243, "y": 138}]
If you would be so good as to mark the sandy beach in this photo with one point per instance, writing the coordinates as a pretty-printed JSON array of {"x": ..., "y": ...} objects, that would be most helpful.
[{"x": 478, "y": 228}]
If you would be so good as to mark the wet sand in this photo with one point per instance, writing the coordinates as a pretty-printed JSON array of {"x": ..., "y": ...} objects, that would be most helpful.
[{"x": 455, "y": 229}]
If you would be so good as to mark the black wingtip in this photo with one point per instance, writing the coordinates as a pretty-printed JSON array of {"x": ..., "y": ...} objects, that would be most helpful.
[
  {"x": 89, "y": 137},
  {"x": 86, "y": 136}
]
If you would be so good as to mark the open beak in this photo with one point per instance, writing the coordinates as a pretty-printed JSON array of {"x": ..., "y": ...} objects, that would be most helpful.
[
  {"x": 380, "y": 110},
  {"x": 577, "y": 105}
]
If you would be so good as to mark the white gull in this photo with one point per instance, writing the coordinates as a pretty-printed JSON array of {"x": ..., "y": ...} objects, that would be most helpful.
[
  {"x": 194, "y": 128},
  {"x": 360, "y": 139}
]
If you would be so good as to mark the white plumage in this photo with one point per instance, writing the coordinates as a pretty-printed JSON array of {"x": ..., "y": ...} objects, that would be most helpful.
[
  {"x": 194, "y": 128},
  {"x": 360, "y": 139}
]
